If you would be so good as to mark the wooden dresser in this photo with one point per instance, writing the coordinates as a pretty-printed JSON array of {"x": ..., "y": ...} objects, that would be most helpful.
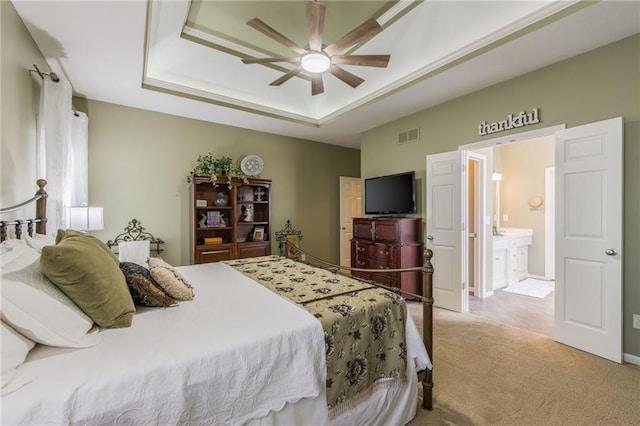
[{"x": 388, "y": 243}]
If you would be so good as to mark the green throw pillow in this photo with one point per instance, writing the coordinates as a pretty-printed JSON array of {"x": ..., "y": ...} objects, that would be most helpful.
[
  {"x": 86, "y": 273},
  {"x": 62, "y": 234}
]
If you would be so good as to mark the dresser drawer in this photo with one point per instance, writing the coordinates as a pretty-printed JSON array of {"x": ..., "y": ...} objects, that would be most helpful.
[
  {"x": 363, "y": 228},
  {"x": 386, "y": 231},
  {"x": 214, "y": 254},
  {"x": 384, "y": 252},
  {"x": 253, "y": 249},
  {"x": 360, "y": 248}
]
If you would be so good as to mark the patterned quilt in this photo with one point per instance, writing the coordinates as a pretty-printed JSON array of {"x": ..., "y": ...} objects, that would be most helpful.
[{"x": 364, "y": 325}]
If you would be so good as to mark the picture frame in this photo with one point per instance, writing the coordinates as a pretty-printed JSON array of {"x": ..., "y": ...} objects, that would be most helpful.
[
  {"x": 213, "y": 219},
  {"x": 258, "y": 233},
  {"x": 201, "y": 203}
]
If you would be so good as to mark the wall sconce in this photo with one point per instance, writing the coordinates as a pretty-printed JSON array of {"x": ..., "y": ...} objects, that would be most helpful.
[{"x": 84, "y": 218}]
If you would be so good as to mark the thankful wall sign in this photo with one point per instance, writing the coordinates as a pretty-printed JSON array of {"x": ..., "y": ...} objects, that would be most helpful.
[{"x": 513, "y": 121}]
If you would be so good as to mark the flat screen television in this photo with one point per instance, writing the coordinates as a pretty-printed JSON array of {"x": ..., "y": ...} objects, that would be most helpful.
[{"x": 390, "y": 195}]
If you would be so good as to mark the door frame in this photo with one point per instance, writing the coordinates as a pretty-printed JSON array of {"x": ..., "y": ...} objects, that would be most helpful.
[
  {"x": 344, "y": 251},
  {"x": 549, "y": 223},
  {"x": 479, "y": 213},
  {"x": 489, "y": 143}
]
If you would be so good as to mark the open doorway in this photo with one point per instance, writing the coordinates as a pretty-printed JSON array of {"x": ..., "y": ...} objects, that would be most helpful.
[
  {"x": 519, "y": 282},
  {"x": 588, "y": 261}
]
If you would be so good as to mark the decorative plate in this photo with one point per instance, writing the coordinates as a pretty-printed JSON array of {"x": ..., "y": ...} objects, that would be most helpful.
[
  {"x": 535, "y": 202},
  {"x": 252, "y": 165}
]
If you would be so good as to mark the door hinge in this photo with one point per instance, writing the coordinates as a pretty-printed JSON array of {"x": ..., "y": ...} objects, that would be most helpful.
[{"x": 464, "y": 285}]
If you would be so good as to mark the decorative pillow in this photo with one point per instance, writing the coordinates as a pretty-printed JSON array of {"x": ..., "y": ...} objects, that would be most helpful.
[
  {"x": 15, "y": 348},
  {"x": 39, "y": 310},
  {"x": 171, "y": 281},
  {"x": 144, "y": 290},
  {"x": 90, "y": 275},
  {"x": 62, "y": 234}
]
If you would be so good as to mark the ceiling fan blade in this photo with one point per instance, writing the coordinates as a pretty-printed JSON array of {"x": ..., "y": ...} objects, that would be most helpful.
[
  {"x": 270, "y": 32},
  {"x": 351, "y": 79},
  {"x": 286, "y": 76},
  {"x": 317, "y": 86},
  {"x": 364, "y": 31},
  {"x": 265, "y": 60},
  {"x": 315, "y": 24},
  {"x": 380, "y": 61}
]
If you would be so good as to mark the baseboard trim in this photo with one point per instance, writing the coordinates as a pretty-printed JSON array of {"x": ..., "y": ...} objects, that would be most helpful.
[
  {"x": 538, "y": 277},
  {"x": 631, "y": 359}
]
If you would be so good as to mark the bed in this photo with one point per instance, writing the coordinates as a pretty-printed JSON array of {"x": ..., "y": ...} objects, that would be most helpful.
[{"x": 249, "y": 348}]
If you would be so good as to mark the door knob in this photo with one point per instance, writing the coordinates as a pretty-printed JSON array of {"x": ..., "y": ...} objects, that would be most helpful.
[
  {"x": 611, "y": 252},
  {"x": 430, "y": 237}
]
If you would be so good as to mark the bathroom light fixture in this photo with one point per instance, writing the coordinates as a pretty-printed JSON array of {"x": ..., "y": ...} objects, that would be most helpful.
[{"x": 315, "y": 62}]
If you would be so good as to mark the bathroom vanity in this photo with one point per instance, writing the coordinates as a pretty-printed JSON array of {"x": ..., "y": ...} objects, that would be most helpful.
[{"x": 511, "y": 256}]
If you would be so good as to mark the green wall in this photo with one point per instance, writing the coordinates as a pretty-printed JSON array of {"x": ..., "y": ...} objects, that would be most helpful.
[
  {"x": 139, "y": 160},
  {"x": 20, "y": 92},
  {"x": 597, "y": 85}
]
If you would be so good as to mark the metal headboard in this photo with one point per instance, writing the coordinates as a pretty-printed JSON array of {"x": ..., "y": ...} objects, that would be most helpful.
[
  {"x": 41, "y": 215},
  {"x": 134, "y": 231}
]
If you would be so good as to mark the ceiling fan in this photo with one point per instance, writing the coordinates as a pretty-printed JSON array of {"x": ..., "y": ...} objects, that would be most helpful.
[{"x": 316, "y": 58}]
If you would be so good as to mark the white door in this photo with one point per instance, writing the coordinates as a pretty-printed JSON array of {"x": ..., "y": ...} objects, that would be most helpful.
[
  {"x": 588, "y": 299},
  {"x": 350, "y": 207},
  {"x": 444, "y": 228}
]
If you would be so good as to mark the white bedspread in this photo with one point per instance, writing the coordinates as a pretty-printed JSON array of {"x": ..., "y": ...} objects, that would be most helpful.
[{"x": 172, "y": 366}]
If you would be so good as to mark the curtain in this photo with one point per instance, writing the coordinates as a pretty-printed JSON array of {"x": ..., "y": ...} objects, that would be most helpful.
[{"x": 62, "y": 152}]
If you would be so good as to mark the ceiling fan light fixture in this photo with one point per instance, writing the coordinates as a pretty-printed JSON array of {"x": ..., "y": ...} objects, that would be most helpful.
[{"x": 315, "y": 62}]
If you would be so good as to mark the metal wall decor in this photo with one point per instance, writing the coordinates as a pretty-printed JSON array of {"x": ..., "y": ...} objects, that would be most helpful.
[
  {"x": 134, "y": 231},
  {"x": 285, "y": 235}
]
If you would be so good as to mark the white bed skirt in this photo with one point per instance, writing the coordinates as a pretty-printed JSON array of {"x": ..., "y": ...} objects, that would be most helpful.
[{"x": 385, "y": 406}]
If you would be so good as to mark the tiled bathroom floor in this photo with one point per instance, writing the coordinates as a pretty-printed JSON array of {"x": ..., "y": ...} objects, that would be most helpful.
[{"x": 526, "y": 312}]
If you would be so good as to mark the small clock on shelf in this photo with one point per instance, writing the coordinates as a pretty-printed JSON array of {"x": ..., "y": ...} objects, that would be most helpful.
[{"x": 252, "y": 165}]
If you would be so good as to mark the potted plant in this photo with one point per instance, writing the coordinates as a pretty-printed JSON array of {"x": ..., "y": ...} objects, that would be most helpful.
[{"x": 216, "y": 167}]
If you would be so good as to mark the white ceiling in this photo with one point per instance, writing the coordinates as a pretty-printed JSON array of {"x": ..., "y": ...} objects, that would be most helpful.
[{"x": 132, "y": 53}]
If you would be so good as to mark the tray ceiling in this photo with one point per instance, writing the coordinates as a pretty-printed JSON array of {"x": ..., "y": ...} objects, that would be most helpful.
[{"x": 183, "y": 57}]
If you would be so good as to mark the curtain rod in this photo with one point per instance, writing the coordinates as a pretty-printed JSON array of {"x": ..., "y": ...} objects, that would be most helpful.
[{"x": 54, "y": 77}]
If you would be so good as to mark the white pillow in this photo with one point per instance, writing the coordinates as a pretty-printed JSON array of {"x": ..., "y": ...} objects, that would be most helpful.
[
  {"x": 11, "y": 250},
  {"x": 134, "y": 251},
  {"x": 39, "y": 240},
  {"x": 14, "y": 348},
  {"x": 38, "y": 309}
]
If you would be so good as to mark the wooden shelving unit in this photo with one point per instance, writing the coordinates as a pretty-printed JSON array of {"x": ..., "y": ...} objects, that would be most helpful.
[{"x": 237, "y": 236}]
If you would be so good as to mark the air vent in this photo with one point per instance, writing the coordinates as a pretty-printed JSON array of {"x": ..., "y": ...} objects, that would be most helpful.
[{"x": 411, "y": 135}]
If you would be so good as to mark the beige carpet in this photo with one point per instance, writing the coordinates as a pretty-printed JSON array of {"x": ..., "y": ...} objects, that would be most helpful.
[{"x": 487, "y": 373}]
